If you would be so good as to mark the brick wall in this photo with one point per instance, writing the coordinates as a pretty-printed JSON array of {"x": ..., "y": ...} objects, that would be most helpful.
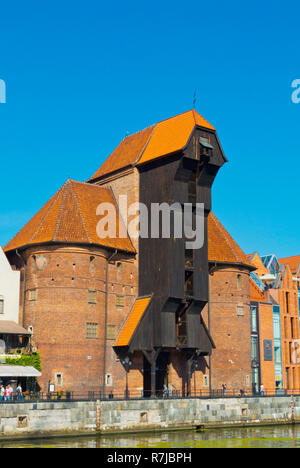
[
  {"x": 229, "y": 310},
  {"x": 287, "y": 297},
  {"x": 69, "y": 292},
  {"x": 266, "y": 333}
]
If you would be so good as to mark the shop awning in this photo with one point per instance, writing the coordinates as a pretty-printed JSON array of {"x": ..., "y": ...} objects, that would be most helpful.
[
  {"x": 18, "y": 371},
  {"x": 12, "y": 328}
]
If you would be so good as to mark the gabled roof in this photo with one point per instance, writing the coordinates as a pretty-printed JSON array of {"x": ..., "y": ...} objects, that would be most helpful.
[
  {"x": 70, "y": 217},
  {"x": 221, "y": 246},
  {"x": 255, "y": 293},
  {"x": 293, "y": 262},
  {"x": 164, "y": 138},
  {"x": 255, "y": 260}
]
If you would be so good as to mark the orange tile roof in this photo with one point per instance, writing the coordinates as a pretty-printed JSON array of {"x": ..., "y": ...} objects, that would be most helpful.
[
  {"x": 256, "y": 261},
  {"x": 293, "y": 262},
  {"x": 221, "y": 246},
  {"x": 161, "y": 139},
  {"x": 255, "y": 293},
  {"x": 70, "y": 217},
  {"x": 132, "y": 321}
]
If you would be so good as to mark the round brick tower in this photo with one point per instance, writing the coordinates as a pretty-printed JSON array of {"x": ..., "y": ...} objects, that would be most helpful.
[
  {"x": 228, "y": 311},
  {"x": 70, "y": 280}
]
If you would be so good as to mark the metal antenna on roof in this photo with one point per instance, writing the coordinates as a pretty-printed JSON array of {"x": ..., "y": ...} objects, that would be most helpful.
[{"x": 195, "y": 99}]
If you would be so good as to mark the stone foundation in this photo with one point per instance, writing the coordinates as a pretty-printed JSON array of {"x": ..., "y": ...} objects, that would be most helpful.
[{"x": 54, "y": 418}]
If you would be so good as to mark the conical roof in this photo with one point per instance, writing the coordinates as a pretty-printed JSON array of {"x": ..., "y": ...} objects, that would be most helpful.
[
  {"x": 70, "y": 217},
  {"x": 221, "y": 246}
]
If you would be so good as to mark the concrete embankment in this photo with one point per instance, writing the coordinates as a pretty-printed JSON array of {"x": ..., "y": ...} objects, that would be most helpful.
[{"x": 72, "y": 418}]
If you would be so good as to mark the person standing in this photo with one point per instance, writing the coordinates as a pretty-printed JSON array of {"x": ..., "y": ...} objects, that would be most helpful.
[
  {"x": 19, "y": 392},
  {"x": 224, "y": 387},
  {"x": 262, "y": 390},
  {"x": 9, "y": 392},
  {"x": 165, "y": 391},
  {"x": 2, "y": 391}
]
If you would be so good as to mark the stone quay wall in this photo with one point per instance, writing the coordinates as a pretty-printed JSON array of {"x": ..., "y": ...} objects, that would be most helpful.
[{"x": 19, "y": 420}]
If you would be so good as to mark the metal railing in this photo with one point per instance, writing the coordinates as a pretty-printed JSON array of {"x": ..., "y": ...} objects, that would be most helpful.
[{"x": 137, "y": 395}]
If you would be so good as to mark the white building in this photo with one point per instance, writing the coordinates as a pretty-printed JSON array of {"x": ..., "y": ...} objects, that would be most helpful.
[{"x": 9, "y": 290}]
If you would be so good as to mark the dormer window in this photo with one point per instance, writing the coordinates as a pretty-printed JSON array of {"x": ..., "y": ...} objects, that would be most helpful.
[{"x": 205, "y": 147}]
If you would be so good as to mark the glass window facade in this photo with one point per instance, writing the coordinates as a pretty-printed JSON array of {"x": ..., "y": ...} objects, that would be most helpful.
[
  {"x": 277, "y": 347},
  {"x": 254, "y": 319},
  {"x": 255, "y": 357}
]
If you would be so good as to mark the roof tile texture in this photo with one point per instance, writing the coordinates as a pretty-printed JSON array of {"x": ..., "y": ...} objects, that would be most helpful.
[
  {"x": 221, "y": 246},
  {"x": 132, "y": 321},
  {"x": 70, "y": 217},
  {"x": 161, "y": 139}
]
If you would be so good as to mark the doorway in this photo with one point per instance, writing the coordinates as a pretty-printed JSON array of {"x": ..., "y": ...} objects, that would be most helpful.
[
  {"x": 162, "y": 369},
  {"x": 147, "y": 378},
  {"x": 161, "y": 374}
]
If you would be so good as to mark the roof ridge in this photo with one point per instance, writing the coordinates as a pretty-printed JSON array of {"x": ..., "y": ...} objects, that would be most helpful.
[
  {"x": 55, "y": 198},
  {"x": 61, "y": 209},
  {"x": 88, "y": 184},
  {"x": 160, "y": 121},
  {"x": 146, "y": 144},
  {"x": 81, "y": 216},
  {"x": 193, "y": 111}
]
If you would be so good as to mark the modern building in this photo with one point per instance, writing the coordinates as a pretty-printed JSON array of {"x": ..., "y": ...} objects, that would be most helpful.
[
  {"x": 9, "y": 291},
  {"x": 14, "y": 338},
  {"x": 274, "y": 302},
  {"x": 294, "y": 264}
]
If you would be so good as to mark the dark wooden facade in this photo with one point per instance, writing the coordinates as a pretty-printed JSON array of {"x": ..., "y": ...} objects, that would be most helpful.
[{"x": 176, "y": 277}]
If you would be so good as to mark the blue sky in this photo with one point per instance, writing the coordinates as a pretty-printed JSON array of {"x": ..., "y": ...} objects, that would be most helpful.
[{"x": 79, "y": 75}]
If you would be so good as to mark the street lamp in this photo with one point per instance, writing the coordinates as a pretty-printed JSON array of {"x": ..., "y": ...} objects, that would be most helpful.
[
  {"x": 195, "y": 367},
  {"x": 127, "y": 363}
]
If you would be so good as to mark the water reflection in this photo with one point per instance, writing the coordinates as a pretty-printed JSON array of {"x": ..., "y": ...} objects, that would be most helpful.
[{"x": 267, "y": 437}]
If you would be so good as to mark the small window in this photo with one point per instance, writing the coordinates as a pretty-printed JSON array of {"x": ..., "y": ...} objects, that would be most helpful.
[
  {"x": 1, "y": 305},
  {"x": 92, "y": 330},
  {"x": 108, "y": 380},
  {"x": 32, "y": 295},
  {"x": 239, "y": 281},
  {"x": 111, "y": 332},
  {"x": 287, "y": 302},
  {"x": 119, "y": 270},
  {"x": 205, "y": 381},
  {"x": 119, "y": 301},
  {"x": 58, "y": 380},
  {"x": 240, "y": 311},
  {"x": 92, "y": 297}
]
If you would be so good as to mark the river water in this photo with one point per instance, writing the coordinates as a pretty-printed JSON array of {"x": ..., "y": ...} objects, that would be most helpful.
[{"x": 262, "y": 437}]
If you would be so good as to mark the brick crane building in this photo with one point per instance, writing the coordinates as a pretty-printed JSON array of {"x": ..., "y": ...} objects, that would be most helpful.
[{"x": 108, "y": 313}]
